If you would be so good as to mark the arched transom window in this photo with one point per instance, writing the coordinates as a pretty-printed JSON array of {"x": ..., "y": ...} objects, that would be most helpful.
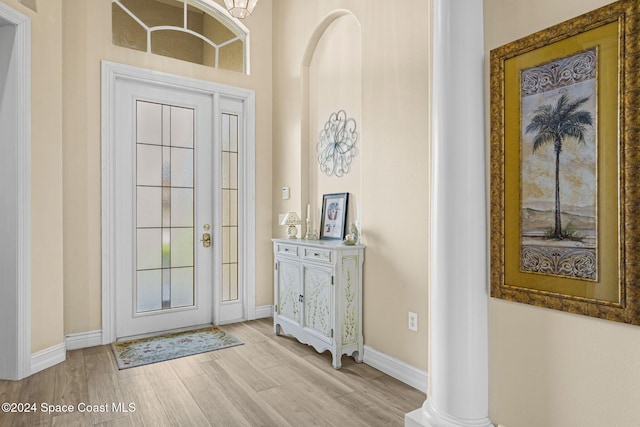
[{"x": 199, "y": 31}]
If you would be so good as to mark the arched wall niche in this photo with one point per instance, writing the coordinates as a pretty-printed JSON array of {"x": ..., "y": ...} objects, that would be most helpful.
[{"x": 331, "y": 81}]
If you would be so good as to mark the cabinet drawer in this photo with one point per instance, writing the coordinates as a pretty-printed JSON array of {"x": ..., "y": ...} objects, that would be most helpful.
[
  {"x": 290, "y": 250},
  {"x": 317, "y": 254}
]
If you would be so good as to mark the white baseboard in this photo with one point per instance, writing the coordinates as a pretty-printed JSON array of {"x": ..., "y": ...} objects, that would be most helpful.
[
  {"x": 83, "y": 340},
  {"x": 264, "y": 311},
  {"x": 396, "y": 368},
  {"x": 48, "y": 357}
]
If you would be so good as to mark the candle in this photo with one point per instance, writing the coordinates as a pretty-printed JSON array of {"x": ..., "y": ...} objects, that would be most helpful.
[{"x": 308, "y": 211}]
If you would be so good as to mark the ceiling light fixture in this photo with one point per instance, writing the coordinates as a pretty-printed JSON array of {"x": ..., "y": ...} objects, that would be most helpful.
[{"x": 240, "y": 8}]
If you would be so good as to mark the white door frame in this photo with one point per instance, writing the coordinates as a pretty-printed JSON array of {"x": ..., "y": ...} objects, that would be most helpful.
[
  {"x": 15, "y": 187},
  {"x": 112, "y": 74}
]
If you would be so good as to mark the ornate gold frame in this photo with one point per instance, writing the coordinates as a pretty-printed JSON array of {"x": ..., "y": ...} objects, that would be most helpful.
[{"x": 623, "y": 303}]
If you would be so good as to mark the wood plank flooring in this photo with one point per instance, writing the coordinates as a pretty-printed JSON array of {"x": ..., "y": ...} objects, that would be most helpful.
[{"x": 268, "y": 381}]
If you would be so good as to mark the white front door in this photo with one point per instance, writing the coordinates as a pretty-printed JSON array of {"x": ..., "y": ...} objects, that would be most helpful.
[
  {"x": 178, "y": 162},
  {"x": 166, "y": 178}
]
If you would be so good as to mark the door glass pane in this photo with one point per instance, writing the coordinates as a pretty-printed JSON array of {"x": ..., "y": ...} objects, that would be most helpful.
[
  {"x": 181, "y": 287},
  {"x": 182, "y": 247},
  {"x": 233, "y": 133},
  {"x": 150, "y": 207},
  {"x": 149, "y": 123},
  {"x": 233, "y": 281},
  {"x": 149, "y": 290},
  {"x": 230, "y": 132},
  {"x": 182, "y": 207},
  {"x": 149, "y": 248},
  {"x": 149, "y": 164},
  {"x": 182, "y": 127},
  {"x": 165, "y": 200},
  {"x": 182, "y": 167},
  {"x": 225, "y": 282}
]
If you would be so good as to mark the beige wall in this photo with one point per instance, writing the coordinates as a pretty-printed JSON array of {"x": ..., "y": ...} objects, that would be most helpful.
[
  {"x": 393, "y": 162},
  {"x": 46, "y": 177},
  {"x": 549, "y": 368},
  {"x": 87, "y": 41},
  {"x": 46, "y": 173}
]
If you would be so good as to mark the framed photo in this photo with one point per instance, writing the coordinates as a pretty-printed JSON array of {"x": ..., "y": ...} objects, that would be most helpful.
[
  {"x": 565, "y": 121},
  {"x": 333, "y": 224}
]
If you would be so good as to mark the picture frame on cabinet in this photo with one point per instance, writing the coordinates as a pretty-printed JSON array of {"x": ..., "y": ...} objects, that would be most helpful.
[
  {"x": 563, "y": 233},
  {"x": 333, "y": 223}
]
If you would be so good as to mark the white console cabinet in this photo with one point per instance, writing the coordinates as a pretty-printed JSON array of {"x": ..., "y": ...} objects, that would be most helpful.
[{"x": 318, "y": 295}]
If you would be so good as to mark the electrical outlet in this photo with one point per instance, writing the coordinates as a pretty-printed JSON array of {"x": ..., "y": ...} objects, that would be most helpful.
[{"x": 413, "y": 321}]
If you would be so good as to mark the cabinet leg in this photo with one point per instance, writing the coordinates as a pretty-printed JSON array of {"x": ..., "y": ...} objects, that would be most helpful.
[
  {"x": 357, "y": 356},
  {"x": 276, "y": 329},
  {"x": 337, "y": 361}
]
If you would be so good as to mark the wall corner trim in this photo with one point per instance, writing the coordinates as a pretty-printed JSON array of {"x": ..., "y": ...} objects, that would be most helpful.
[
  {"x": 396, "y": 368},
  {"x": 15, "y": 356},
  {"x": 48, "y": 357},
  {"x": 83, "y": 340}
]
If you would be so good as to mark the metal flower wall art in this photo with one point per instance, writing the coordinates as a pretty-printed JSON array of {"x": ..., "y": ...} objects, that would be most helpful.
[{"x": 337, "y": 144}]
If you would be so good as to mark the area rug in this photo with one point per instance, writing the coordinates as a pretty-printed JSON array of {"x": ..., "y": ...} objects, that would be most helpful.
[{"x": 144, "y": 351}]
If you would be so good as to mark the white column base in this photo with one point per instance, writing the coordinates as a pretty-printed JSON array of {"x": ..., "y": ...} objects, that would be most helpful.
[
  {"x": 416, "y": 418},
  {"x": 428, "y": 417}
]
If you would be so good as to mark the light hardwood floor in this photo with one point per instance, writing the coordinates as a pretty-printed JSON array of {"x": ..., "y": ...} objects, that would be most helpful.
[{"x": 268, "y": 381}]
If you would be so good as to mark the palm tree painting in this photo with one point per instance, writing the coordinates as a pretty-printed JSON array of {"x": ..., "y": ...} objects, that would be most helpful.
[
  {"x": 559, "y": 168},
  {"x": 554, "y": 124}
]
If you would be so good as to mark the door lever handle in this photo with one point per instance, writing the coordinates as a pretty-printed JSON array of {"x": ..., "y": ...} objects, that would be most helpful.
[{"x": 206, "y": 240}]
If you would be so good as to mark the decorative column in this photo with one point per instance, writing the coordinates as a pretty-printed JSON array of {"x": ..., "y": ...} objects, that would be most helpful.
[{"x": 458, "y": 371}]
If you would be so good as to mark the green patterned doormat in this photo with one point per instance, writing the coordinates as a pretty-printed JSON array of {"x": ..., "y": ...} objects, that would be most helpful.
[{"x": 144, "y": 351}]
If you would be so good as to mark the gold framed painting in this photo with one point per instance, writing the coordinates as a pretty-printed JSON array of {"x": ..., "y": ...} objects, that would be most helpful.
[{"x": 565, "y": 163}]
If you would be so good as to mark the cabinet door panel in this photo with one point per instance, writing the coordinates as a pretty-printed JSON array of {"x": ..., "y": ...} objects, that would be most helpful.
[
  {"x": 289, "y": 280},
  {"x": 350, "y": 309},
  {"x": 318, "y": 313}
]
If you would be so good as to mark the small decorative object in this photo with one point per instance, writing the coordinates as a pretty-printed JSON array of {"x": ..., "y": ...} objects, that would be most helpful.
[
  {"x": 311, "y": 234},
  {"x": 353, "y": 237},
  {"x": 307, "y": 236},
  {"x": 337, "y": 144},
  {"x": 291, "y": 220},
  {"x": 563, "y": 207},
  {"x": 240, "y": 8},
  {"x": 334, "y": 216}
]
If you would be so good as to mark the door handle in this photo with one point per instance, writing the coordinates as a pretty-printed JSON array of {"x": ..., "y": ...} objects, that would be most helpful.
[{"x": 206, "y": 240}]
